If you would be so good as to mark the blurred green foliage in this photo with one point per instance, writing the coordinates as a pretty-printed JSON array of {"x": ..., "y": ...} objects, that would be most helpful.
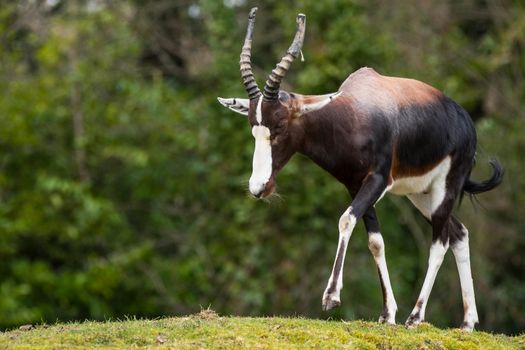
[{"x": 122, "y": 181}]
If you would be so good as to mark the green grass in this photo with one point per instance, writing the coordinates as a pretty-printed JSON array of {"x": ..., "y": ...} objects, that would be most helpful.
[{"x": 206, "y": 330}]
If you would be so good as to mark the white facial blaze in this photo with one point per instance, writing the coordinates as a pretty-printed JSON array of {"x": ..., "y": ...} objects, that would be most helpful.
[
  {"x": 262, "y": 159},
  {"x": 262, "y": 156},
  {"x": 258, "y": 111}
]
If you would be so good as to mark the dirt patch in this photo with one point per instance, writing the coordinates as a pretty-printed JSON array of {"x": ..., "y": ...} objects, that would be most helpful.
[{"x": 205, "y": 314}]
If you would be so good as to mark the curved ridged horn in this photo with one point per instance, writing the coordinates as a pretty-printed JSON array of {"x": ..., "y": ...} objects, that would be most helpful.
[
  {"x": 271, "y": 88},
  {"x": 246, "y": 65}
]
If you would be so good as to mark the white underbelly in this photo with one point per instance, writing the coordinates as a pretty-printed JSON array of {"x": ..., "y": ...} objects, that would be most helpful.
[{"x": 423, "y": 183}]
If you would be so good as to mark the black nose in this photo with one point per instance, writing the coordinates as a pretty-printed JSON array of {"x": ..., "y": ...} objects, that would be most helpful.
[{"x": 258, "y": 195}]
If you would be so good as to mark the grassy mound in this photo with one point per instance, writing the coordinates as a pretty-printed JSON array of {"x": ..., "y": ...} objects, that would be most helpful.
[{"x": 206, "y": 330}]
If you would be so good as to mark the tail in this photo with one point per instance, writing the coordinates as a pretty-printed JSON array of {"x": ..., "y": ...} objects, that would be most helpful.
[{"x": 474, "y": 187}]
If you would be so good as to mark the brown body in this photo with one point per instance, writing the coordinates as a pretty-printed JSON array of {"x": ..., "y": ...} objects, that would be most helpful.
[{"x": 381, "y": 124}]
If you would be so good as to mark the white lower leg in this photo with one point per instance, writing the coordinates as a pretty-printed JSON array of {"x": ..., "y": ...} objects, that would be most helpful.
[
  {"x": 377, "y": 248},
  {"x": 331, "y": 296},
  {"x": 437, "y": 253},
  {"x": 462, "y": 255}
]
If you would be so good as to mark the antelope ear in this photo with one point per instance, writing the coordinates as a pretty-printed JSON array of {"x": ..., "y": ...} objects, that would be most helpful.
[
  {"x": 313, "y": 103},
  {"x": 239, "y": 105}
]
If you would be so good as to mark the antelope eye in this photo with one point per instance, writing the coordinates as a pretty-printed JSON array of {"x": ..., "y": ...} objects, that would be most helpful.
[{"x": 284, "y": 97}]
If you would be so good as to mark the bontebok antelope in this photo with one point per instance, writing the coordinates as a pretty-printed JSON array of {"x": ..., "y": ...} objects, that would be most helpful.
[{"x": 376, "y": 134}]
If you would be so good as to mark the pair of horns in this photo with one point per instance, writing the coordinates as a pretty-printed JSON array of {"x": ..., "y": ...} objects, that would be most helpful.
[{"x": 271, "y": 88}]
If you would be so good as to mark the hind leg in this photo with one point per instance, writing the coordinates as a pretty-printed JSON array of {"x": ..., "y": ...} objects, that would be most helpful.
[
  {"x": 446, "y": 230},
  {"x": 435, "y": 258},
  {"x": 460, "y": 247},
  {"x": 436, "y": 206},
  {"x": 457, "y": 236}
]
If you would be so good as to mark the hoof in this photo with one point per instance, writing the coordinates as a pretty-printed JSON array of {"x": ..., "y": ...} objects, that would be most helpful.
[
  {"x": 413, "y": 321},
  {"x": 329, "y": 303},
  {"x": 386, "y": 318},
  {"x": 467, "y": 326}
]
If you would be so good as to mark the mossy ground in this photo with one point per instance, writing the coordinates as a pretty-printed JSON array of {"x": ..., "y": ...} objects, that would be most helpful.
[{"x": 206, "y": 330}]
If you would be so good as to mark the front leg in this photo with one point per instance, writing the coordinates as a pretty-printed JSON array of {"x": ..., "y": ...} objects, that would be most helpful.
[
  {"x": 377, "y": 248},
  {"x": 331, "y": 296},
  {"x": 373, "y": 186}
]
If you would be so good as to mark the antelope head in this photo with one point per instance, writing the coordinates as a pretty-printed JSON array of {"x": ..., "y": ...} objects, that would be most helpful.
[{"x": 274, "y": 114}]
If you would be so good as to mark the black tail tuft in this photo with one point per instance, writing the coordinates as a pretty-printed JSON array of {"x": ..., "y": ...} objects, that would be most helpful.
[{"x": 474, "y": 187}]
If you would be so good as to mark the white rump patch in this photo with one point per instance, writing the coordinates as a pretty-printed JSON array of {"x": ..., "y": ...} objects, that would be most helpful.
[{"x": 262, "y": 157}]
